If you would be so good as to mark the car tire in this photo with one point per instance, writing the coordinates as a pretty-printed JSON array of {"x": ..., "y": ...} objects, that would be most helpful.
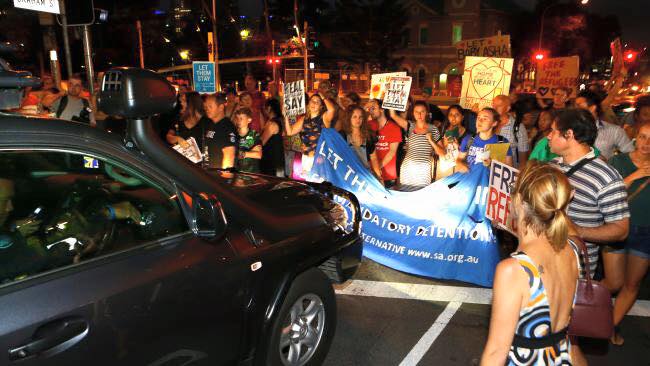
[{"x": 303, "y": 330}]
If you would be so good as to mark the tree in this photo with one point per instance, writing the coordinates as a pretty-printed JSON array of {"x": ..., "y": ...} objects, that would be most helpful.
[
  {"x": 369, "y": 31},
  {"x": 569, "y": 29}
]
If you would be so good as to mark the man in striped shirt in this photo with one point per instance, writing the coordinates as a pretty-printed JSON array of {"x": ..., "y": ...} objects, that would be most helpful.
[{"x": 599, "y": 206}]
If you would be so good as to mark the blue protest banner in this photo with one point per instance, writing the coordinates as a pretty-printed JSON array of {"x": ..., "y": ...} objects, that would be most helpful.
[
  {"x": 439, "y": 231},
  {"x": 204, "y": 79}
]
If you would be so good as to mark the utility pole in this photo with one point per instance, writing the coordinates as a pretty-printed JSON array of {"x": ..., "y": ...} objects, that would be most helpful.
[
  {"x": 273, "y": 61},
  {"x": 90, "y": 71},
  {"x": 88, "y": 59},
  {"x": 215, "y": 48},
  {"x": 66, "y": 40},
  {"x": 305, "y": 57},
  {"x": 138, "y": 26}
]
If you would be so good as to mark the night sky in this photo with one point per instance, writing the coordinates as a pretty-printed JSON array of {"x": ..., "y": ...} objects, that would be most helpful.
[{"x": 632, "y": 15}]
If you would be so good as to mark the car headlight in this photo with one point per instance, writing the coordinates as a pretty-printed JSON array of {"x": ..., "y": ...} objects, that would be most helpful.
[{"x": 338, "y": 218}]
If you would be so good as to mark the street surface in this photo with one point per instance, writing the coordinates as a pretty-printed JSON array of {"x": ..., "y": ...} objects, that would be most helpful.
[{"x": 386, "y": 317}]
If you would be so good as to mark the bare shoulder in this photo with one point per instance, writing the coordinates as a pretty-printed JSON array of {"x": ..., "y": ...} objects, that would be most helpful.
[{"x": 509, "y": 269}]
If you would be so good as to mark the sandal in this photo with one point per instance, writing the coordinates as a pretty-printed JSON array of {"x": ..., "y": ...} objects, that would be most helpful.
[{"x": 617, "y": 339}]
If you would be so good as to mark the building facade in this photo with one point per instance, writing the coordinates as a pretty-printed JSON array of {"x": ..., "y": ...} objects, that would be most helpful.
[{"x": 434, "y": 26}]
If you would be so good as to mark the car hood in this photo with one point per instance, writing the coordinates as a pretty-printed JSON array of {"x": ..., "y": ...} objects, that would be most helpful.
[{"x": 290, "y": 198}]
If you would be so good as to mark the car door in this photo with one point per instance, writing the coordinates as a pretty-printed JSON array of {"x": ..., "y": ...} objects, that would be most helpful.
[{"x": 102, "y": 268}]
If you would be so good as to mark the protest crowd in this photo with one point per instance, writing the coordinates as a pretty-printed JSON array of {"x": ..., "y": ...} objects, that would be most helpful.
[{"x": 561, "y": 145}]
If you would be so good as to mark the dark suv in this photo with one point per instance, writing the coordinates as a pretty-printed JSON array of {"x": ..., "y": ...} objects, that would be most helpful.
[{"x": 119, "y": 251}]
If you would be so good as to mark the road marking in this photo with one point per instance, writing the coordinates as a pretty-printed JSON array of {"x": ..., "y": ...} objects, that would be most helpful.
[
  {"x": 443, "y": 293},
  {"x": 423, "y": 345}
]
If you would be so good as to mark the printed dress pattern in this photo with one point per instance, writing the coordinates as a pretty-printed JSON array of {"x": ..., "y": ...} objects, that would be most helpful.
[{"x": 535, "y": 322}]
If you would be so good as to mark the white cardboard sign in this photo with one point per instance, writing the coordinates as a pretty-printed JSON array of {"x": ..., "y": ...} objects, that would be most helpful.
[
  {"x": 48, "y": 6},
  {"x": 499, "y": 206},
  {"x": 397, "y": 93},
  {"x": 294, "y": 98}
]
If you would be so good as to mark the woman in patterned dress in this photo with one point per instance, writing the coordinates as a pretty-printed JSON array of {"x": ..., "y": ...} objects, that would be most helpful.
[
  {"x": 534, "y": 290},
  {"x": 320, "y": 112}
]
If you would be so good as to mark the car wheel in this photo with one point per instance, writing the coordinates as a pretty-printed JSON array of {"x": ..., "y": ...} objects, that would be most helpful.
[{"x": 305, "y": 326}]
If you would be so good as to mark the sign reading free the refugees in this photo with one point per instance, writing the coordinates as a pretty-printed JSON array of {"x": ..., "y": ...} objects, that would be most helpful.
[
  {"x": 397, "y": 93},
  {"x": 502, "y": 181},
  {"x": 439, "y": 231},
  {"x": 48, "y": 6},
  {"x": 294, "y": 98},
  {"x": 484, "y": 78},
  {"x": 204, "y": 77},
  {"x": 559, "y": 72}
]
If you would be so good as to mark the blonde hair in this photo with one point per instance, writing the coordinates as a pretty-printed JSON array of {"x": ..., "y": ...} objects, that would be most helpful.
[{"x": 542, "y": 194}]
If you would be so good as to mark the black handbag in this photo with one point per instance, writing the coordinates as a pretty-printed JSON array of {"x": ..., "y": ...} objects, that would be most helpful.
[{"x": 592, "y": 313}]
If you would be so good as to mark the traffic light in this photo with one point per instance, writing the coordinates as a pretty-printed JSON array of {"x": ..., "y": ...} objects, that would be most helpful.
[
  {"x": 312, "y": 41},
  {"x": 630, "y": 56},
  {"x": 273, "y": 60},
  {"x": 539, "y": 56}
]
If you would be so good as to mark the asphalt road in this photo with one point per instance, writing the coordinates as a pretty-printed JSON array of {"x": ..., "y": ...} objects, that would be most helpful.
[{"x": 386, "y": 317}]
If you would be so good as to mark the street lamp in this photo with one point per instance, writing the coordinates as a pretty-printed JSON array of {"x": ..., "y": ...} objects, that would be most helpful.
[
  {"x": 245, "y": 33},
  {"x": 185, "y": 54},
  {"x": 541, "y": 26}
]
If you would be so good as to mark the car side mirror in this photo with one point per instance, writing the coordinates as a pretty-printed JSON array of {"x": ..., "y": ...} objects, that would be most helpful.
[
  {"x": 208, "y": 216},
  {"x": 204, "y": 214}
]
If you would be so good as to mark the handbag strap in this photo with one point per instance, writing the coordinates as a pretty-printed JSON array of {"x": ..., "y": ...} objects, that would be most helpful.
[
  {"x": 578, "y": 165},
  {"x": 633, "y": 195},
  {"x": 582, "y": 247},
  {"x": 548, "y": 340}
]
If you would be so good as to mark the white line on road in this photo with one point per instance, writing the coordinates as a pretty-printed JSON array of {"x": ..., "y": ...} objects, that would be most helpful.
[
  {"x": 443, "y": 293},
  {"x": 430, "y": 336}
]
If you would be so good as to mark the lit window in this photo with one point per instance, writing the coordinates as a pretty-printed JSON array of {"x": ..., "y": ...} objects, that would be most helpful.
[{"x": 457, "y": 33}]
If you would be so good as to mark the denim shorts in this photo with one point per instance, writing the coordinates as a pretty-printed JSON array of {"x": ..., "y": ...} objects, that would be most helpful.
[{"x": 636, "y": 244}]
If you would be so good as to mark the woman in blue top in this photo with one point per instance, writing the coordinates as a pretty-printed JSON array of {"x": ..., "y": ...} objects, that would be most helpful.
[{"x": 472, "y": 148}]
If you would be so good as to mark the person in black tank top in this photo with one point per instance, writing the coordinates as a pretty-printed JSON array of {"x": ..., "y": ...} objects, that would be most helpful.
[
  {"x": 272, "y": 145},
  {"x": 191, "y": 124}
]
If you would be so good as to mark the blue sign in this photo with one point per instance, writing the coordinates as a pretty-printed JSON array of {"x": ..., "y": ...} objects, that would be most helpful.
[
  {"x": 439, "y": 231},
  {"x": 204, "y": 77}
]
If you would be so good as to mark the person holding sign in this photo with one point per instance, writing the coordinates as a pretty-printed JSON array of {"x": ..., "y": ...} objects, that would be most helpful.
[
  {"x": 474, "y": 149},
  {"x": 560, "y": 99},
  {"x": 320, "y": 112},
  {"x": 421, "y": 142},
  {"x": 534, "y": 290}
]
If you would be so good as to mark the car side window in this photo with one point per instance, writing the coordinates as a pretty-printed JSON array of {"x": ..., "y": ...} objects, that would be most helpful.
[{"x": 59, "y": 208}]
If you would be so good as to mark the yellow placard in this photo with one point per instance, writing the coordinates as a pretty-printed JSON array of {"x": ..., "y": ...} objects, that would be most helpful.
[{"x": 498, "y": 151}]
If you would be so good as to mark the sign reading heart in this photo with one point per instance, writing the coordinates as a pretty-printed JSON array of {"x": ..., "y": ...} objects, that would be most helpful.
[
  {"x": 542, "y": 90},
  {"x": 485, "y": 80}
]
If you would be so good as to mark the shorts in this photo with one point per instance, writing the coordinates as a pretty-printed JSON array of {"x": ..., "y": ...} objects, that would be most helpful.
[{"x": 636, "y": 244}]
